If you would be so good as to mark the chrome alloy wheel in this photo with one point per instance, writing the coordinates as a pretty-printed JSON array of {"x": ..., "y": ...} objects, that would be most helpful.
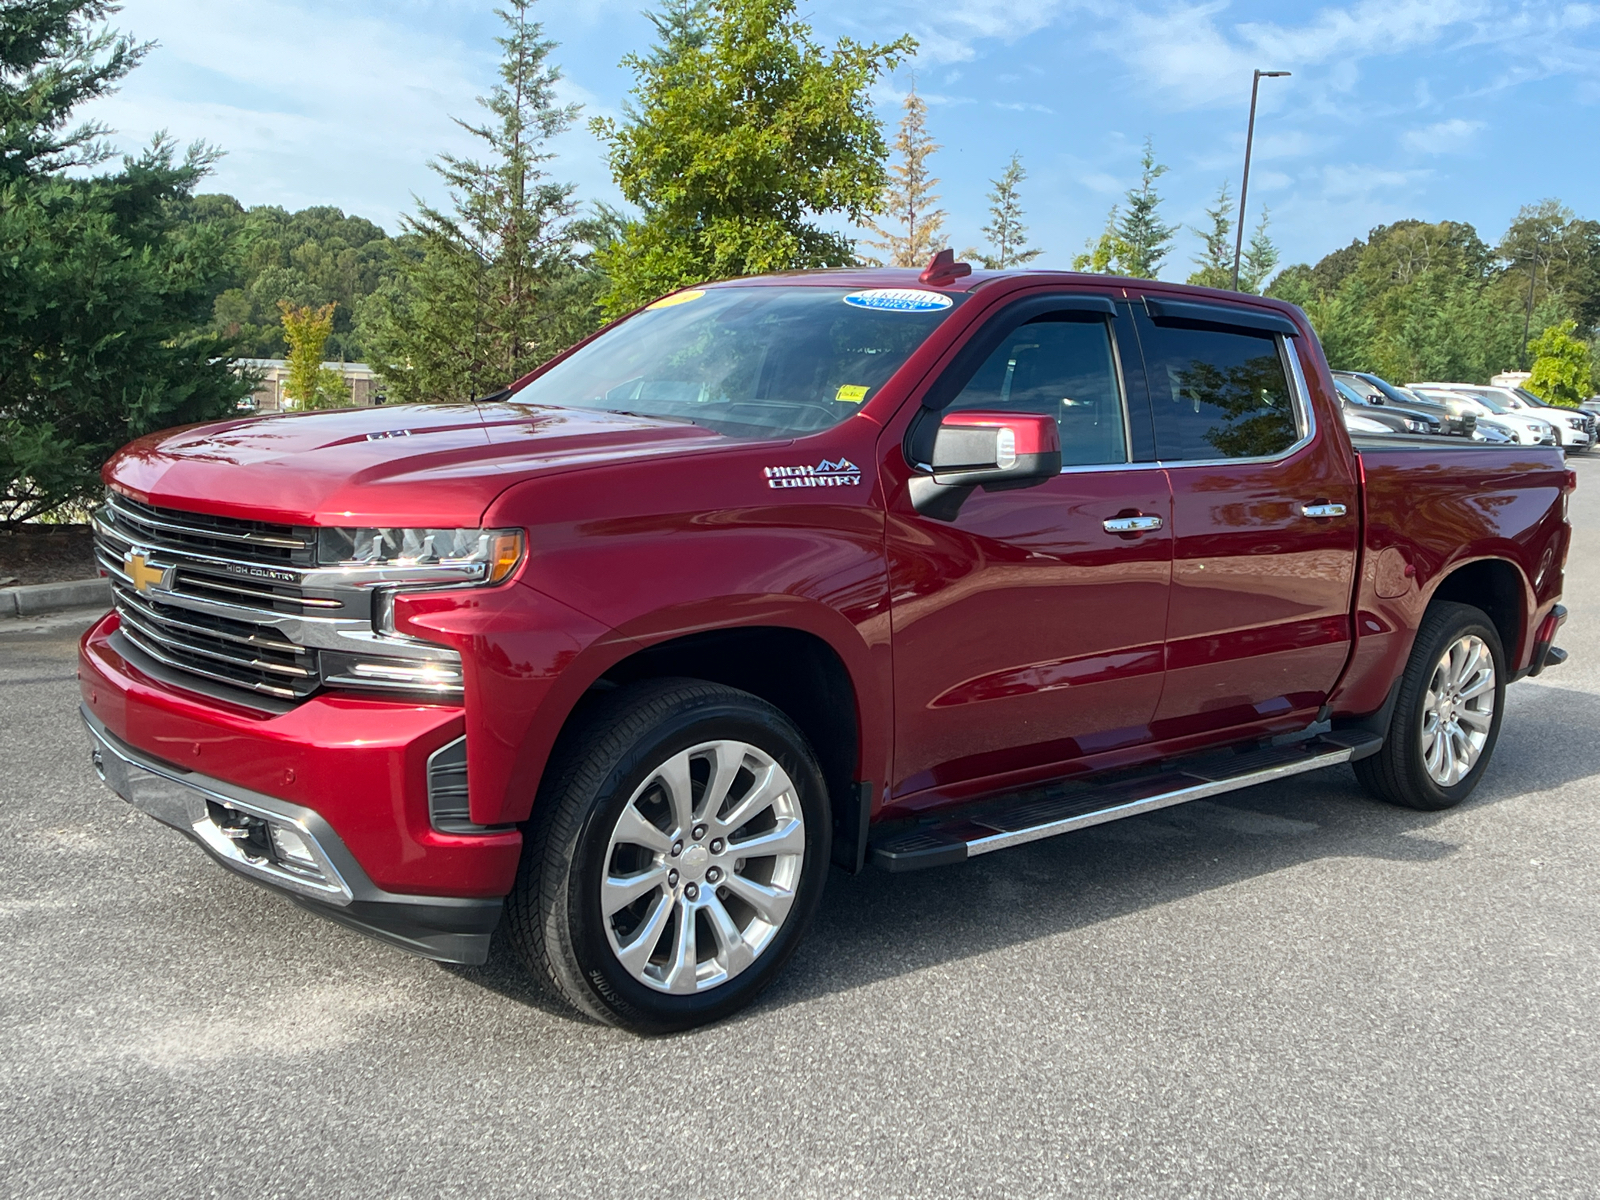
[
  {"x": 1458, "y": 710},
  {"x": 702, "y": 867}
]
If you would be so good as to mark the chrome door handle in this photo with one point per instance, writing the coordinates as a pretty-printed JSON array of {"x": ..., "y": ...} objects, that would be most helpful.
[
  {"x": 1131, "y": 524},
  {"x": 1323, "y": 510}
]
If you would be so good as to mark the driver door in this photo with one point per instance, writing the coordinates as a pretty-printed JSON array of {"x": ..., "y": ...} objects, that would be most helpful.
[{"x": 1027, "y": 633}]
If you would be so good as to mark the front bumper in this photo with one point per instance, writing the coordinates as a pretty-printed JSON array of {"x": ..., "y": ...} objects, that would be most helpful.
[{"x": 322, "y": 875}]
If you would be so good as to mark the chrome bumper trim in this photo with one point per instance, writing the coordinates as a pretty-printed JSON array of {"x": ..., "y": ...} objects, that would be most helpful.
[{"x": 447, "y": 928}]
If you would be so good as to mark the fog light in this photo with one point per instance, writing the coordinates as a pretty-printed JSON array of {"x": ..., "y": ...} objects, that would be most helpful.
[{"x": 291, "y": 847}]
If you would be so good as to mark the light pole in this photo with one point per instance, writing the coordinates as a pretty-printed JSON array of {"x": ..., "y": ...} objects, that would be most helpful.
[{"x": 1244, "y": 188}]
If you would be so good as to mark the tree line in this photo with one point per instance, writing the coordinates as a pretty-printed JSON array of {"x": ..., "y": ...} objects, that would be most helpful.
[{"x": 127, "y": 296}]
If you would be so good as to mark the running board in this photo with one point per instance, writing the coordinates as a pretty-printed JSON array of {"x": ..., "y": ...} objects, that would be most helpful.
[{"x": 1080, "y": 804}]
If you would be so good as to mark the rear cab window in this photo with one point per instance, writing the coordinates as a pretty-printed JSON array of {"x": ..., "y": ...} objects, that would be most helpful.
[{"x": 1220, "y": 393}]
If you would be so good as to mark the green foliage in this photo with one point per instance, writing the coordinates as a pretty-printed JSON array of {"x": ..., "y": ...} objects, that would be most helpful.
[
  {"x": 915, "y": 229},
  {"x": 104, "y": 289},
  {"x": 313, "y": 257},
  {"x": 1259, "y": 258},
  {"x": 1008, "y": 237},
  {"x": 486, "y": 292},
  {"x": 1419, "y": 300},
  {"x": 744, "y": 131},
  {"x": 306, "y": 331},
  {"x": 1145, "y": 240},
  {"x": 1563, "y": 366},
  {"x": 1135, "y": 240},
  {"x": 1215, "y": 263}
]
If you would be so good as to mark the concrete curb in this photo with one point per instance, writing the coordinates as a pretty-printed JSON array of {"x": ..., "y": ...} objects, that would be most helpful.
[{"x": 40, "y": 598}]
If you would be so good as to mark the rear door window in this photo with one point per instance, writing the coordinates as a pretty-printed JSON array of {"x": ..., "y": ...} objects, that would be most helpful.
[
  {"x": 1218, "y": 393},
  {"x": 1061, "y": 365}
]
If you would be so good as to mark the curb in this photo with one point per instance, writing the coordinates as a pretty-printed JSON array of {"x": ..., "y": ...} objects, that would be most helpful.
[{"x": 38, "y": 598}]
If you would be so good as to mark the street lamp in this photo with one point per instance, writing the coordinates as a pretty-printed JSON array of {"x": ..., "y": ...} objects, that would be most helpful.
[{"x": 1244, "y": 188}]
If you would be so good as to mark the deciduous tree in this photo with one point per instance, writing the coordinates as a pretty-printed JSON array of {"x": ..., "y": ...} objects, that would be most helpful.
[
  {"x": 1563, "y": 366},
  {"x": 306, "y": 331},
  {"x": 743, "y": 131}
]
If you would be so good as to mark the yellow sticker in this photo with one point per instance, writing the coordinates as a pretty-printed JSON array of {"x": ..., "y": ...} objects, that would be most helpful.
[
  {"x": 677, "y": 298},
  {"x": 851, "y": 394}
]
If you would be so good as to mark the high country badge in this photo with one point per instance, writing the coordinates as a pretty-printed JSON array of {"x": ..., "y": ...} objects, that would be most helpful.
[{"x": 843, "y": 473}]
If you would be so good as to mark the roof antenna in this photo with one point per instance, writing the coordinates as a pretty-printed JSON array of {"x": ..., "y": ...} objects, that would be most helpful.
[{"x": 943, "y": 269}]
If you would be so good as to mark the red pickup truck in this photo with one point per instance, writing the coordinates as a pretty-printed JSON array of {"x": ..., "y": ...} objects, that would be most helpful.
[{"x": 828, "y": 568}]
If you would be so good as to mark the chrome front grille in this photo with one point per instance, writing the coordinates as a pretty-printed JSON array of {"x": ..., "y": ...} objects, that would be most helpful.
[
  {"x": 245, "y": 541},
  {"x": 241, "y": 610},
  {"x": 226, "y": 651}
]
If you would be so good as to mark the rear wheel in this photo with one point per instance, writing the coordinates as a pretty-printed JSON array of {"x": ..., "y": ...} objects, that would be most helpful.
[
  {"x": 1447, "y": 716},
  {"x": 676, "y": 857}
]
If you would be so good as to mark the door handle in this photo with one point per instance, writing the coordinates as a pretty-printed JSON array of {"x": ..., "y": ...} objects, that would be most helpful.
[
  {"x": 1131, "y": 524},
  {"x": 1323, "y": 510}
]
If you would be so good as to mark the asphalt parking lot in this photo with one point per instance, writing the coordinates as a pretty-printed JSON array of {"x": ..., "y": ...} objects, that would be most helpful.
[{"x": 1298, "y": 992}]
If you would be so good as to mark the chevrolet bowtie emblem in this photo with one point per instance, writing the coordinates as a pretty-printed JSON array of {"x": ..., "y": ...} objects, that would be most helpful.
[{"x": 146, "y": 575}]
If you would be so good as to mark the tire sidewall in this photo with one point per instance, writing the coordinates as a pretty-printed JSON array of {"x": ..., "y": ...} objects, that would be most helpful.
[
  {"x": 1432, "y": 795},
  {"x": 635, "y": 1004}
]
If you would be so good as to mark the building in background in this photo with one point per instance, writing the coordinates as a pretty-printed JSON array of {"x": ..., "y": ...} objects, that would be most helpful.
[
  {"x": 1510, "y": 379},
  {"x": 365, "y": 386}
]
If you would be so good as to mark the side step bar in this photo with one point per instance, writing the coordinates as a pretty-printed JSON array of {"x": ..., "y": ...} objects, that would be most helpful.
[{"x": 1080, "y": 804}]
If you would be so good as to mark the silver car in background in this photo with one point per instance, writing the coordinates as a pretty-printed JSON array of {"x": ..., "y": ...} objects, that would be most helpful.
[{"x": 1574, "y": 428}]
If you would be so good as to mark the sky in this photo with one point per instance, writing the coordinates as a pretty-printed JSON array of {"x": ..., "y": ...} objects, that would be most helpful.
[{"x": 1434, "y": 109}]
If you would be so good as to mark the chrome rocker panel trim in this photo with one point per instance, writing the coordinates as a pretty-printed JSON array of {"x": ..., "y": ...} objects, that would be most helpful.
[{"x": 444, "y": 928}]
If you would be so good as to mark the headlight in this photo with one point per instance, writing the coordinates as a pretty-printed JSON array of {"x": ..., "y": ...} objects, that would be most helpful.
[
  {"x": 1416, "y": 426},
  {"x": 470, "y": 555}
]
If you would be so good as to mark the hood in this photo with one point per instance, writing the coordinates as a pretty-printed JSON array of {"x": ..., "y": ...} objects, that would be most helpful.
[{"x": 405, "y": 464}]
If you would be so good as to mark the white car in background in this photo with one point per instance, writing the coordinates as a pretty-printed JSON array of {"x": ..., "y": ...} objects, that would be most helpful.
[
  {"x": 1575, "y": 429},
  {"x": 1529, "y": 430}
]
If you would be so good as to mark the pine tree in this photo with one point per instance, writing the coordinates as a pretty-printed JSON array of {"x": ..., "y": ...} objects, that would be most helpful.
[
  {"x": 1259, "y": 258},
  {"x": 913, "y": 230},
  {"x": 104, "y": 289},
  {"x": 469, "y": 314},
  {"x": 1008, "y": 237},
  {"x": 1216, "y": 262},
  {"x": 1146, "y": 239}
]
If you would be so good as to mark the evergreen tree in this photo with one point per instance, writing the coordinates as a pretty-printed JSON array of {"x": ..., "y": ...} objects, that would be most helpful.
[
  {"x": 1215, "y": 263},
  {"x": 468, "y": 311},
  {"x": 1008, "y": 237},
  {"x": 744, "y": 130},
  {"x": 104, "y": 289},
  {"x": 913, "y": 230},
  {"x": 1259, "y": 258},
  {"x": 1145, "y": 239}
]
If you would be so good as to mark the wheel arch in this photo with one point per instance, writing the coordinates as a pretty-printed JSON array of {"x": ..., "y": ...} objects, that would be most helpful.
[{"x": 1496, "y": 586}]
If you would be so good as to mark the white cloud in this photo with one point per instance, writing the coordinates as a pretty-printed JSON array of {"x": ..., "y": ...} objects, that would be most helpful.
[
  {"x": 349, "y": 116},
  {"x": 1443, "y": 137}
]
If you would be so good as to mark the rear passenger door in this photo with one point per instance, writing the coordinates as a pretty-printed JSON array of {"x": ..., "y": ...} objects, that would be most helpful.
[{"x": 1259, "y": 625}]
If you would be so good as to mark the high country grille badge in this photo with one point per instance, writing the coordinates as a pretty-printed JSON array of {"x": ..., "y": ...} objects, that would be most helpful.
[
  {"x": 843, "y": 473},
  {"x": 146, "y": 575},
  {"x": 250, "y": 571}
]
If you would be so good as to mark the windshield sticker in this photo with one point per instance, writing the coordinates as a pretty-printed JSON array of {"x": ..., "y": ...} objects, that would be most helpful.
[
  {"x": 675, "y": 299},
  {"x": 843, "y": 473},
  {"x": 899, "y": 300},
  {"x": 849, "y": 393}
]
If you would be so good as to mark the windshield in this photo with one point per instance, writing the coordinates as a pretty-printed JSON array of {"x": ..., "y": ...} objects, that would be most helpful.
[{"x": 749, "y": 361}]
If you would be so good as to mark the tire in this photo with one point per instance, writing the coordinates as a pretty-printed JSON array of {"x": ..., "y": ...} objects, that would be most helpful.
[
  {"x": 1434, "y": 771},
  {"x": 617, "y": 769}
]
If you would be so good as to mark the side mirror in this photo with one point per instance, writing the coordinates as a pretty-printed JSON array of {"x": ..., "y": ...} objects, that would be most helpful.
[{"x": 991, "y": 450}]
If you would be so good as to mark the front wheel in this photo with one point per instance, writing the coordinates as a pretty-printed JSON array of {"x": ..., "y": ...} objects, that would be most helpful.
[
  {"x": 1447, "y": 716},
  {"x": 675, "y": 858}
]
